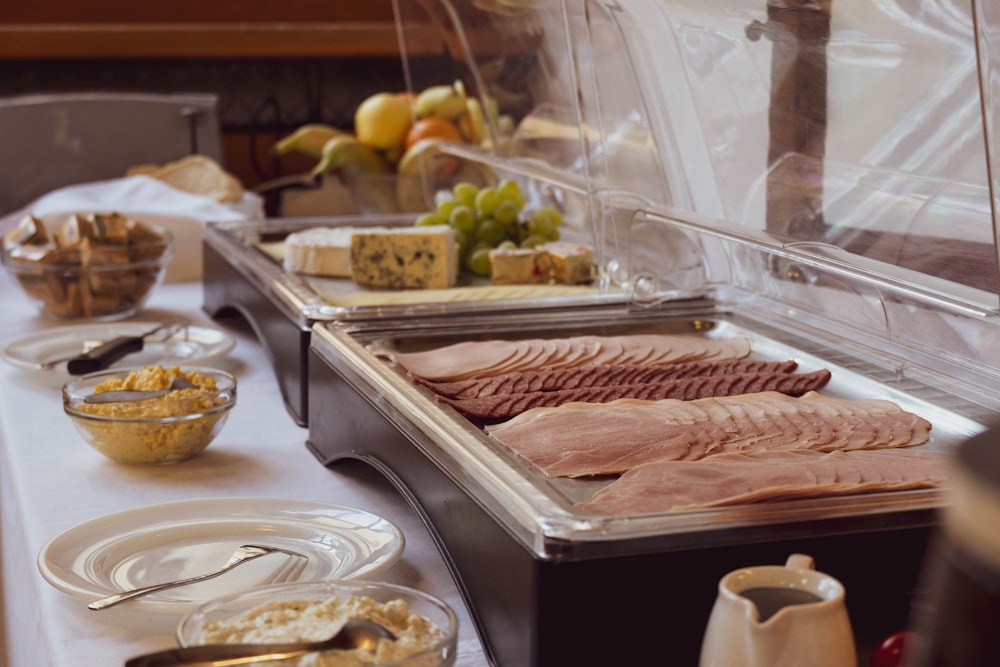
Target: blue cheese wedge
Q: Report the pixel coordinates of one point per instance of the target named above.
(405, 257)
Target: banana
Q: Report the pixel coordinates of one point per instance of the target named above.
(472, 123)
(308, 139)
(446, 102)
(344, 151)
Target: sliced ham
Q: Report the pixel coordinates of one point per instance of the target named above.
(502, 406)
(738, 479)
(470, 359)
(600, 375)
(585, 439)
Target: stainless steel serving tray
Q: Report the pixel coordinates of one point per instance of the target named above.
(255, 249)
(244, 274)
(540, 511)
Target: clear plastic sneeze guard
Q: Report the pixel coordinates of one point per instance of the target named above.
(845, 135)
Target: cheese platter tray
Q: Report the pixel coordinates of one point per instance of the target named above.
(282, 275)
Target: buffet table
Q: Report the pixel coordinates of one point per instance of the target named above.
(51, 480)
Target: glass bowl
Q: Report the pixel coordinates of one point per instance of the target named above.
(97, 281)
(161, 429)
(316, 610)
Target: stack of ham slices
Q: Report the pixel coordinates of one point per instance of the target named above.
(685, 421)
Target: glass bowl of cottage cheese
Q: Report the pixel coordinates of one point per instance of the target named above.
(425, 627)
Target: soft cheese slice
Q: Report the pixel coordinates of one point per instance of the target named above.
(321, 251)
(572, 264)
(405, 257)
(520, 266)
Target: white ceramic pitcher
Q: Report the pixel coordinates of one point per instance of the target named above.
(779, 616)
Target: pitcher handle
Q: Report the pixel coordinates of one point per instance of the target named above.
(800, 561)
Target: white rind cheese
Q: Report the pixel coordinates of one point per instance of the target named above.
(321, 251)
(405, 257)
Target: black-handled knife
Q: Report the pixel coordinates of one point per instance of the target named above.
(107, 353)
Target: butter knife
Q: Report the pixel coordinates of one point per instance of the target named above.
(105, 354)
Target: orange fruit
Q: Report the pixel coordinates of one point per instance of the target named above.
(432, 128)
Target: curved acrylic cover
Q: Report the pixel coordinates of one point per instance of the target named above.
(859, 128)
(756, 151)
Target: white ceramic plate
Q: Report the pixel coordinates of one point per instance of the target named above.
(148, 545)
(188, 345)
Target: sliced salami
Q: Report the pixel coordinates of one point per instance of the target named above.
(503, 406)
(600, 375)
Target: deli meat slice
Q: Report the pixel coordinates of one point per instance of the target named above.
(502, 406)
(584, 439)
(471, 359)
(738, 479)
(600, 375)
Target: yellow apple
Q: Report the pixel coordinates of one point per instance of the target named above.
(382, 121)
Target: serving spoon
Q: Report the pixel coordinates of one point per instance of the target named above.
(355, 634)
(126, 395)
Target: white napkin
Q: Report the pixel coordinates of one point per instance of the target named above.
(148, 200)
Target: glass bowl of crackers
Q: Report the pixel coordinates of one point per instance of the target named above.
(89, 266)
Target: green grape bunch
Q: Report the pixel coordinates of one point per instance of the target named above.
(491, 217)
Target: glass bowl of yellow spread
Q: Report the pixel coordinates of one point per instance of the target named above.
(150, 414)
(425, 627)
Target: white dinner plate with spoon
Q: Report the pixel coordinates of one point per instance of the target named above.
(158, 543)
(49, 349)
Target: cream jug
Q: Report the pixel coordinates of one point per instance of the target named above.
(779, 616)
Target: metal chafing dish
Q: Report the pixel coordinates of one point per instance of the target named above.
(812, 178)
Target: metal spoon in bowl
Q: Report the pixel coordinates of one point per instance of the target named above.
(126, 395)
(355, 634)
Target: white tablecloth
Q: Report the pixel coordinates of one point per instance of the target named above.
(51, 480)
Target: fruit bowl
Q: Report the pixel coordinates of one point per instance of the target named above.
(412, 188)
(425, 627)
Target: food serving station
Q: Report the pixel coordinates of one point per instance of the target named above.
(812, 178)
